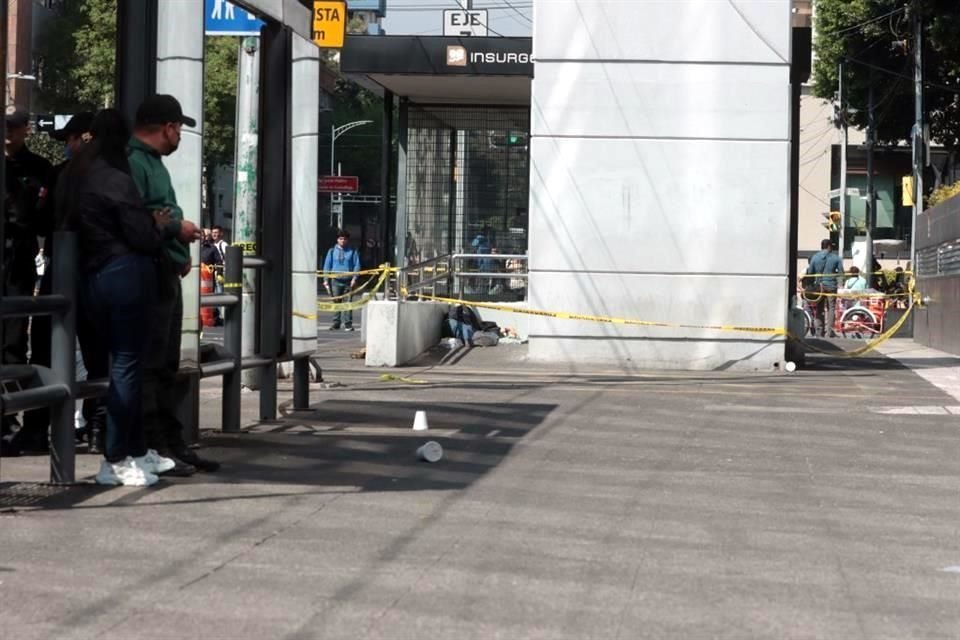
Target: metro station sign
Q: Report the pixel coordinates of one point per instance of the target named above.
(339, 184)
(329, 23)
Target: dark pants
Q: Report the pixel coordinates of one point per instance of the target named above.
(163, 429)
(826, 310)
(117, 300)
(339, 288)
(94, 360)
(14, 335)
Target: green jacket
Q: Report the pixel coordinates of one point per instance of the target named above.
(155, 187)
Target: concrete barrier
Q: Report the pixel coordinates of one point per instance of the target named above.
(397, 332)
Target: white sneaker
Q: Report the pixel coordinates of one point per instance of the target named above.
(128, 473)
(153, 462)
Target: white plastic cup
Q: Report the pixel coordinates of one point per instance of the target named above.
(420, 421)
(430, 452)
(790, 367)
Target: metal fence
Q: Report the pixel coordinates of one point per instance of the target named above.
(467, 180)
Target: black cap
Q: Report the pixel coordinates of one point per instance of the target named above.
(17, 117)
(161, 109)
(78, 124)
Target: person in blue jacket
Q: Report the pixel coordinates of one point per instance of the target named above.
(341, 259)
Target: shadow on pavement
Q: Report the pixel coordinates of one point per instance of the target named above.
(371, 446)
(337, 446)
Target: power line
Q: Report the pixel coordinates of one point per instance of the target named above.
(864, 23)
(489, 28)
(896, 74)
(517, 11)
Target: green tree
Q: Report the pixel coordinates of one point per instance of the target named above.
(358, 150)
(76, 57)
(875, 40)
(220, 99)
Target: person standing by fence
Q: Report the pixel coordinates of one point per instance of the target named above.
(341, 259)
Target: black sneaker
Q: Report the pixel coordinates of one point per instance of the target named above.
(181, 469)
(190, 456)
(335, 327)
(348, 328)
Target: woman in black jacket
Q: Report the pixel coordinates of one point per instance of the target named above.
(118, 241)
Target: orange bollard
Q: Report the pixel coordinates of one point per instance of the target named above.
(206, 286)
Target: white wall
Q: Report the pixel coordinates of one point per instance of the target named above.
(660, 179)
(397, 332)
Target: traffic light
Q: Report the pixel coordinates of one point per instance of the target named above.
(516, 139)
(833, 221)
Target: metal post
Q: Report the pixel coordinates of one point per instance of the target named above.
(232, 340)
(63, 360)
(843, 166)
(136, 69)
(400, 212)
(268, 392)
(301, 383)
(386, 175)
(918, 138)
(245, 225)
(871, 196)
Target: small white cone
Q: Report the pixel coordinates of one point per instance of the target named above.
(420, 421)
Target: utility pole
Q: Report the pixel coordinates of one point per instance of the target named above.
(843, 165)
(918, 138)
(871, 196)
(245, 207)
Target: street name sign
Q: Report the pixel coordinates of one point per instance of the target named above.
(329, 23)
(223, 18)
(339, 184)
(465, 22)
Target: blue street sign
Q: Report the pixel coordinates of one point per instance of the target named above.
(223, 18)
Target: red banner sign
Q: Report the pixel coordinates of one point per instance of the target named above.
(339, 184)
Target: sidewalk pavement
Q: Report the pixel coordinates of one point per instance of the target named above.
(567, 505)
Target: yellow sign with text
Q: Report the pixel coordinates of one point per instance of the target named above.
(329, 23)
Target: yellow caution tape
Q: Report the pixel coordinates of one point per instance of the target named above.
(564, 315)
(389, 377)
(384, 268)
(350, 305)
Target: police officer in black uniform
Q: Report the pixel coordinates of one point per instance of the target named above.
(27, 216)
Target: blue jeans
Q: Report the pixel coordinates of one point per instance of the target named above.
(338, 288)
(116, 301)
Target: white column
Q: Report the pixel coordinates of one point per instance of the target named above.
(660, 179)
(305, 145)
(180, 74)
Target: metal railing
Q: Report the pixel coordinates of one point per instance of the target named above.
(56, 387)
(53, 386)
(478, 276)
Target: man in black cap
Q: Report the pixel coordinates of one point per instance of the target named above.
(27, 216)
(33, 435)
(156, 133)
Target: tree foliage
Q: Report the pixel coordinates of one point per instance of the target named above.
(358, 150)
(220, 100)
(875, 40)
(76, 57)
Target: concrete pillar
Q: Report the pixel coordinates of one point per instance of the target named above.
(180, 74)
(659, 180)
(304, 143)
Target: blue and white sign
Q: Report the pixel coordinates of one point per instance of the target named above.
(223, 18)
